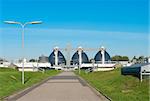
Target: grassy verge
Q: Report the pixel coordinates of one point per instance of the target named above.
(117, 86)
(10, 80)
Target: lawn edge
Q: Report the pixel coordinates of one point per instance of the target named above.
(95, 90)
(23, 92)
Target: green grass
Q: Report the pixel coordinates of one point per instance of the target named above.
(118, 87)
(10, 80)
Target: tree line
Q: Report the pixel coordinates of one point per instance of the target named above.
(120, 58)
(140, 59)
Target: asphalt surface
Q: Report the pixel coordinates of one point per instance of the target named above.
(64, 87)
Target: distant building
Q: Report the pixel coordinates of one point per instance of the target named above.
(140, 59)
(134, 60)
(43, 59)
(4, 63)
(148, 59)
(2, 60)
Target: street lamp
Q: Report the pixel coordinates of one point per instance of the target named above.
(23, 27)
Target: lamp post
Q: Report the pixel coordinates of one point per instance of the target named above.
(23, 28)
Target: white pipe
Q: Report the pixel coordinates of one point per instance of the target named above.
(80, 57)
(56, 55)
(103, 55)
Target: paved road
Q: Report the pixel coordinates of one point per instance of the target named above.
(63, 87)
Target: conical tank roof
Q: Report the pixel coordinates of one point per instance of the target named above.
(75, 58)
(98, 56)
(61, 58)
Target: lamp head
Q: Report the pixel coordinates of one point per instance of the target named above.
(11, 22)
(35, 22)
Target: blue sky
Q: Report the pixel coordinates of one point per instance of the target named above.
(119, 25)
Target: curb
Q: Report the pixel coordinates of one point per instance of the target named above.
(95, 90)
(21, 93)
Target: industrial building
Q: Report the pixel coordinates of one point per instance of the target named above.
(75, 58)
(57, 58)
(102, 55)
(4, 63)
(43, 59)
(102, 60)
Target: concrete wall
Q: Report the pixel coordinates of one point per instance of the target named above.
(29, 69)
